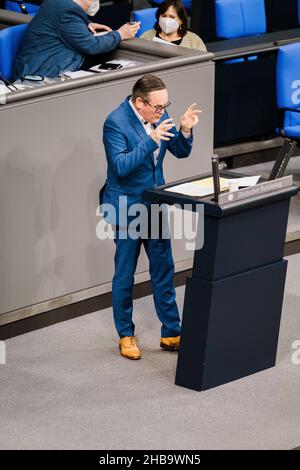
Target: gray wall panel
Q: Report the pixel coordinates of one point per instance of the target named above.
(52, 164)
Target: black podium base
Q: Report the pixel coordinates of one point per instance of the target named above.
(233, 301)
(230, 326)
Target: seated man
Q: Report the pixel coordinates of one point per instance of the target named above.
(60, 37)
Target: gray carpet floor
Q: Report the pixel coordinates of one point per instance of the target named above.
(67, 387)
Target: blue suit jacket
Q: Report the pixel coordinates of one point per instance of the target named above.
(58, 38)
(130, 160)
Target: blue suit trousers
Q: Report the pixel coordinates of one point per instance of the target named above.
(161, 268)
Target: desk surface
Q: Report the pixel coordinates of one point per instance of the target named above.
(263, 42)
(212, 208)
(150, 57)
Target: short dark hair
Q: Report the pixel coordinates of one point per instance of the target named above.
(181, 12)
(145, 85)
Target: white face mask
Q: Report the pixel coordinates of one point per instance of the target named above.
(168, 25)
(93, 8)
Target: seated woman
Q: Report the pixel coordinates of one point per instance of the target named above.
(172, 26)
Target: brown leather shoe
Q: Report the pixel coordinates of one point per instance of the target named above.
(129, 347)
(170, 344)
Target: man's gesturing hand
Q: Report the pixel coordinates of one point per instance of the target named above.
(190, 118)
(161, 132)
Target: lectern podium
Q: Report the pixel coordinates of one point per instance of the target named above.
(233, 300)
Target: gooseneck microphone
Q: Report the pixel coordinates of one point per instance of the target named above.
(216, 176)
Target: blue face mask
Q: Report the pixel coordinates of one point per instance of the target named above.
(93, 8)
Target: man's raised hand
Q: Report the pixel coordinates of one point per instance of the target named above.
(162, 131)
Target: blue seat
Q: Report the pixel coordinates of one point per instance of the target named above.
(11, 40)
(238, 18)
(186, 3)
(288, 89)
(146, 17)
(16, 6)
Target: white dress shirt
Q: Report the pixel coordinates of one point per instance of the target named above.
(148, 129)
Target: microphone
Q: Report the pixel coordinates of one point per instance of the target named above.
(282, 159)
(216, 176)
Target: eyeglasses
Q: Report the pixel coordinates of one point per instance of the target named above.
(158, 108)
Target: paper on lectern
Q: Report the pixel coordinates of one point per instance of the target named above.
(205, 186)
(198, 188)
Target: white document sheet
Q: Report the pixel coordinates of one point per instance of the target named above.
(166, 43)
(205, 187)
(77, 74)
(190, 189)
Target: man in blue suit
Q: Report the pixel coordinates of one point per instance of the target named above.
(136, 137)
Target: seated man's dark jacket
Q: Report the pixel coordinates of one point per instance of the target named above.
(58, 39)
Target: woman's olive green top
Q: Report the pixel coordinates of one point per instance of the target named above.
(190, 40)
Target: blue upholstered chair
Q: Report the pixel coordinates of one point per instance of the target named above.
(11, 40)
(21, 7)
(288, 90)
(146, 17)
(238, 18)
